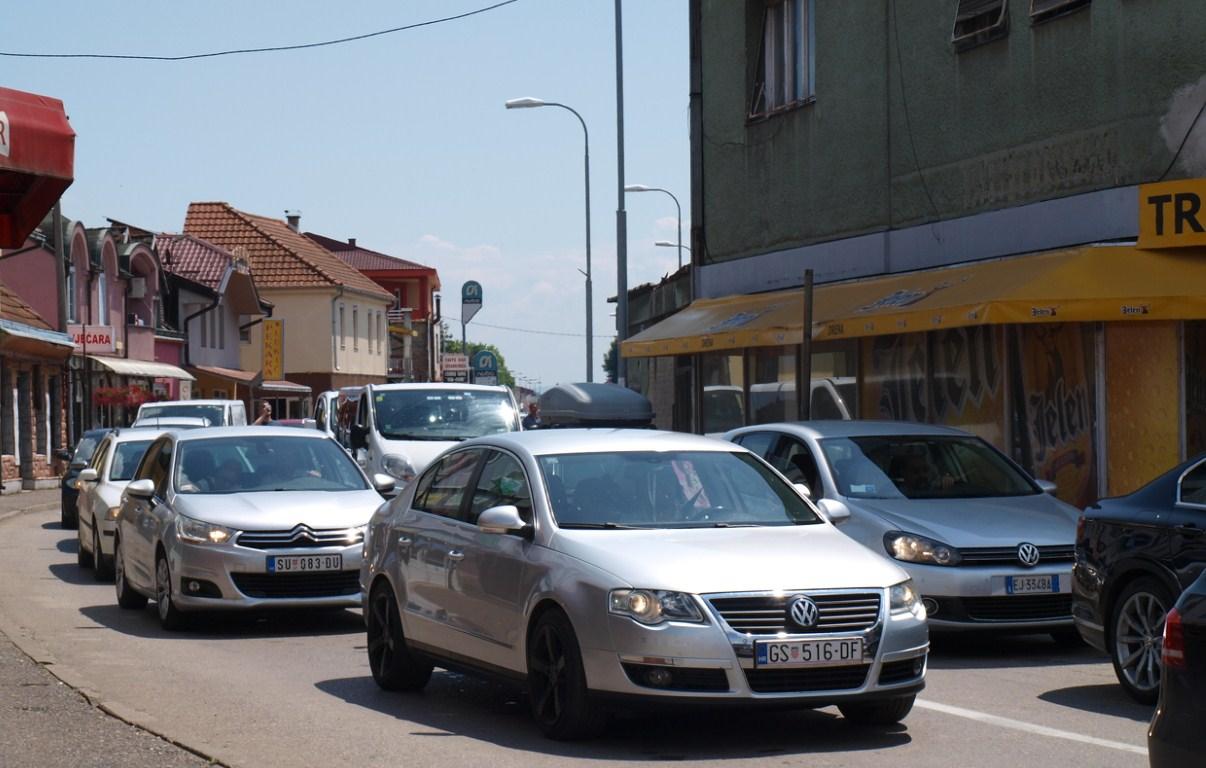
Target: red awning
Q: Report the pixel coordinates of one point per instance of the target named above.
(37, 152)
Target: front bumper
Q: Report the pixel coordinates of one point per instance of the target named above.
(713, 663)
(975, 597)
(233, 577)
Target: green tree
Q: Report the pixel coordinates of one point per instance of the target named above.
(609, 362)
(504, 373)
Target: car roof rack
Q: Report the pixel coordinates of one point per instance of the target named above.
(594, 405)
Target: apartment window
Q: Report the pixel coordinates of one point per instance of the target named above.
(72, 309)
(1041, 10)
(244, 331)
(221, 328)
(355, 329)
(204, 328)
(380, 332)
(399, 298)
(979, 21)
(343, 336)
(102, 297)
(372, 329)
(785, 58)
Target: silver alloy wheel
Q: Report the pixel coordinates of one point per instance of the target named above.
(163, 588)
(119, 569)
(1139, 640)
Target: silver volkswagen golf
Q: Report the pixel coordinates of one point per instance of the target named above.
(242, 517)
(597, 566)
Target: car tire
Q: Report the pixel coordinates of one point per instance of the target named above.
(557, 688)
(68, 519)
(83, 557)
(102, 567)
(170, 617)
(393, 665)
(126, 596)
(1136, 637)
(1068, 639)
(881, 712)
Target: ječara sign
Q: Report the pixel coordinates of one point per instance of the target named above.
(1172, 214)
(92, 338)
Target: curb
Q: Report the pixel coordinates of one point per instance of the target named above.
(36, 653)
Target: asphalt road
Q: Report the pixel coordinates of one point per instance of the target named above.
(294, 690)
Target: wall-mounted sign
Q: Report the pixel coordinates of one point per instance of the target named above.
(1172, 214)
(485, 367)
(457, 377)
(92, 338)
(454, 361)
(274, 350)
(471, 300)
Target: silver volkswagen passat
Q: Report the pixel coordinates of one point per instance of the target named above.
(987, 546)
(242, 517)
(601, 566)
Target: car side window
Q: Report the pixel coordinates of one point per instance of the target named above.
(795, 460)
(362, 412)
(99, 456)
(502, 482)
(758, 442)
(445, 491)
(1192, 489)
(320, 414)
(147, 464)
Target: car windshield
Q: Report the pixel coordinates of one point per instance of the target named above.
(211, 413)
(922, 467)
(125, 459)
(669, 489)
(249, 464)
(442, 414)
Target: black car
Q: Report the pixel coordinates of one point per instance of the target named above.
(1134, 555)
(1176, 737)
(68, 493)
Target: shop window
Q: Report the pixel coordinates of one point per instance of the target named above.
(8, 440)
(979, 21)
(723, 378)
(1041, 10)
(56, 413)
(1195, 388)
(41, 427)
(784, 76)
(773, 375)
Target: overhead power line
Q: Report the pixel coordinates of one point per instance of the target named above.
(270, 49)
(449, 319)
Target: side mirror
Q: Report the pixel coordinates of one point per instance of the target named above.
(502, 520)
(384, 484)
(63, 454)
(141, 489)
(804, 489)
(359, 436)
(78, 465)
(1046, 486)
(835, 511)
(87, 475)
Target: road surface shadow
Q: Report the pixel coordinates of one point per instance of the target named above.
(1100, 699)
(977, 651)
(71, 573)
(55, 525)
(229, 625)
(497, 713)
(68, 546)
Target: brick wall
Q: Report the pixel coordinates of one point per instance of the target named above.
(37, 437)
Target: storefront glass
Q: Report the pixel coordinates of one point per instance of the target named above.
(722, 375)
(1195, 388)
(773, 384)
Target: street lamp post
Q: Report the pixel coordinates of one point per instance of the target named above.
(679, 208)
(528, 103)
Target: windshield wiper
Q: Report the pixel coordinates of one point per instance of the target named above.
(602, 526)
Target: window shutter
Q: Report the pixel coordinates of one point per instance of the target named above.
(979, 21)
(1041, 10)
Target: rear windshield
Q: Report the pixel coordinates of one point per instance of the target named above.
(214, 414)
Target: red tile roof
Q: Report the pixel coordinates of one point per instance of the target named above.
(361, 258)
(279, 257)
(13, 307)
(193, 259)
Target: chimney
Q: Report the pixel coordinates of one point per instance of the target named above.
(294, 219)
(352, 241)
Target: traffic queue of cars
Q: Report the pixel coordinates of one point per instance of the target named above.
(800, 564)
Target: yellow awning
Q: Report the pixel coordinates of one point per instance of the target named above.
(1087, 284)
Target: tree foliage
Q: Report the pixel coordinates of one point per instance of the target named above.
(609, 362)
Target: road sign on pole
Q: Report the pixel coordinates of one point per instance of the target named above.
(485, 367)
(471, 300)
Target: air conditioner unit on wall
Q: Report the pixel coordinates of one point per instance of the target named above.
(138, 288)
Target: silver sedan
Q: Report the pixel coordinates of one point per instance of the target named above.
(988, 546)
(604, 566)
(242, 517)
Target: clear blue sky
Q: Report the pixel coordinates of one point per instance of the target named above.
(400, 141)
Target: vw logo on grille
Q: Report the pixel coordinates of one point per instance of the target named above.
(1028, 554)
(803, 613)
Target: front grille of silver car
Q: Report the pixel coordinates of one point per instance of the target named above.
(1059, 553)
(764, 614)
(301, 537)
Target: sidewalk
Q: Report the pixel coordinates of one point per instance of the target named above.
(46, 724)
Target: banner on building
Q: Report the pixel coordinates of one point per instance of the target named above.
(92, 339)
(274, 350)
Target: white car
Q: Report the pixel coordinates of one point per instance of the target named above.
(400, 428)
(100, 486)
(219, 413)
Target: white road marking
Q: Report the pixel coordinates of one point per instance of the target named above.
(1018, 725)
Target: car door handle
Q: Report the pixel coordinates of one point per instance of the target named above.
(403, 541)
(456, 555)
(1189, 530)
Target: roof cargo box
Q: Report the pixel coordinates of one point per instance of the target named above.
(594, 405)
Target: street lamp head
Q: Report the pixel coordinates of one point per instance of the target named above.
(665, 244)
(525, 103)
(637, 188)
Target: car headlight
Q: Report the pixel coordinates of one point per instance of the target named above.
(199, 532)
(398, 467)
(112, 513)
(654, 606)
(918, 549)
(903, 598)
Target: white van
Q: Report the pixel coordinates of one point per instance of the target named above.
(400, 428)
(219, 413)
